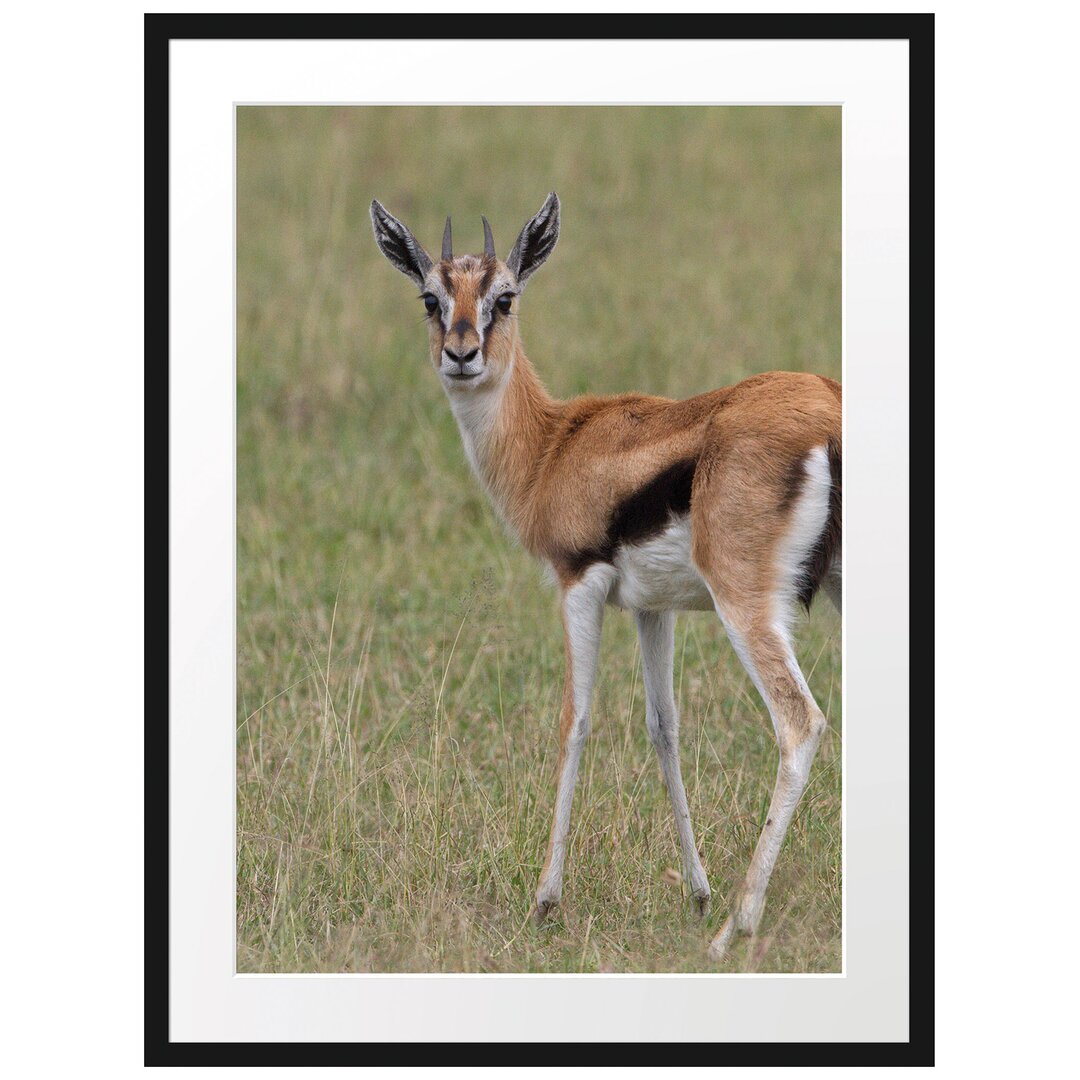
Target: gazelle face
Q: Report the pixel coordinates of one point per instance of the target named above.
(471, 301)
(471, 305)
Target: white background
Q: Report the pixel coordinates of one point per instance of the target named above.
(72, 552)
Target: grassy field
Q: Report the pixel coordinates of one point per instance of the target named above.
(399, 657)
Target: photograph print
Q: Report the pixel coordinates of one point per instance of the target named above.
(539, 531)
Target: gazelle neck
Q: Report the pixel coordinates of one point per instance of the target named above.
(506, 426)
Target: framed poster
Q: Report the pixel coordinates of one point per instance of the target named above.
(400, 807)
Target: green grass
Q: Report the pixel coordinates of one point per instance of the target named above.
(399, 657)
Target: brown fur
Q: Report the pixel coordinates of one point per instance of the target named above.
(559, 470)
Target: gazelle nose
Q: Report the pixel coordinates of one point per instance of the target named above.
(461, 358)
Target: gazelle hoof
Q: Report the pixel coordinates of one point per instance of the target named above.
(701, 903)
(542, 909)
(719, 944)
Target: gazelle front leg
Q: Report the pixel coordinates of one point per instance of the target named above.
(583, 617)
(656, 632)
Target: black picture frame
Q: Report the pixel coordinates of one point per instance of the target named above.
(918, 30)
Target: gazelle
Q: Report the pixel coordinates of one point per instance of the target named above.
(727, 502)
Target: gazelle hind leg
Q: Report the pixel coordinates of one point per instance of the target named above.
(757, 531)
(656, 632)
(583, 617)
(798, 722)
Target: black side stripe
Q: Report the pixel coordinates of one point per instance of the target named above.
(642, 515)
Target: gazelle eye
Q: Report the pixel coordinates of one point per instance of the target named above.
(431, 303)
(504, 302)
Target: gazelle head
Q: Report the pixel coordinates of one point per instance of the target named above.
(471, 301)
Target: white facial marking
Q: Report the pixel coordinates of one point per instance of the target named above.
(486, 313)
(434, 285)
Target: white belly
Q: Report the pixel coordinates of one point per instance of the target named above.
(658, 575)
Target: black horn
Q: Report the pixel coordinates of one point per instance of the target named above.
(447, 242)
(489, 240)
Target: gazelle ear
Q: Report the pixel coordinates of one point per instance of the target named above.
(398, 244)
(537, 240)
